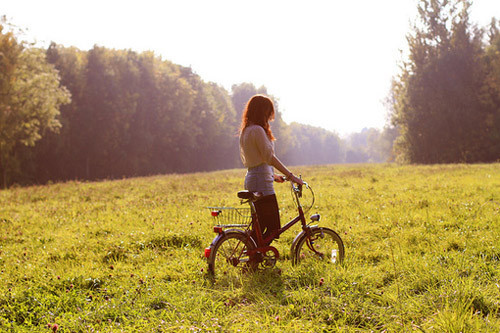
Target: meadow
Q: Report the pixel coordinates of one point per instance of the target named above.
(422, 254)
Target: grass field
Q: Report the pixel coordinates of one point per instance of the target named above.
(422, 254)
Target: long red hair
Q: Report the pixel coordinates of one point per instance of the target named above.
(258, 111)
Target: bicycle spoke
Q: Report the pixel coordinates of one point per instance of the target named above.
(230, 255)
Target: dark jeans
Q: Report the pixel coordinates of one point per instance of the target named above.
(268, 215)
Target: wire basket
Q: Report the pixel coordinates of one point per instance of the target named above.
(231, 217)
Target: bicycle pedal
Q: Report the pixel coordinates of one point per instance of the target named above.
(271, 261)
(258, 257)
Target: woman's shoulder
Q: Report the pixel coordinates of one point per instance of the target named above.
(255, 129)
(256, 133)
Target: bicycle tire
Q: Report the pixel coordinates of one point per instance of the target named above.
(327, 245)
(229, 254)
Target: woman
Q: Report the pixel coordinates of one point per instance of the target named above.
(257, 154)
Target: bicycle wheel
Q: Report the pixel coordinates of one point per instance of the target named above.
(323, 244)
(229, 255)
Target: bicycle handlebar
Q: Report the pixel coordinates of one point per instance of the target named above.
(285, 178)
(296, 188)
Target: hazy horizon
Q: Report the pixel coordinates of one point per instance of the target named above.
(329, 65)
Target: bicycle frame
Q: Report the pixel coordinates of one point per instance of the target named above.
(260, 241)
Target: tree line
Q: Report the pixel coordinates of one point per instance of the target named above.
(446, 99)
(106, 113)
(68, 114)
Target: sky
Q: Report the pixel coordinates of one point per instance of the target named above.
(328, 62)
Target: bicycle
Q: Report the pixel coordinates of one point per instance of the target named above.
(234, 249)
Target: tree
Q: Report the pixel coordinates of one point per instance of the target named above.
(370, 145)
(29, 100)
(436, 97)
(313, 145)
(490, 97)
(56, 154)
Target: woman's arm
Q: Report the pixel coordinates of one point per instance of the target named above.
(275, 162)
(267, 153)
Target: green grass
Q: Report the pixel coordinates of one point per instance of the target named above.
(422, 254)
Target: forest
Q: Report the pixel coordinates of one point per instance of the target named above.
(67, 113)
(121, 113)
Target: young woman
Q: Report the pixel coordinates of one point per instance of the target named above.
(257, 154)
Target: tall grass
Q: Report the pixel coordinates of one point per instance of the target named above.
(422, 253)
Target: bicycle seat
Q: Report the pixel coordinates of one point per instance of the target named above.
(247, 195)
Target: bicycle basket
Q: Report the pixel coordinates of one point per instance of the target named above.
(231, 217)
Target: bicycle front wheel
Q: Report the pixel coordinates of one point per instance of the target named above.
(229, 256)
(321, 244)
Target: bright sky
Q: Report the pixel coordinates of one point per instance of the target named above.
(329, 62)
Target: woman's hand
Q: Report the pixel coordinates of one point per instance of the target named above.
(295, 179)
(279, 178)
(275, 162)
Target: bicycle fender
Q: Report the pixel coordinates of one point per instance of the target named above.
(223, 234)
(216, 239)
(299, 237)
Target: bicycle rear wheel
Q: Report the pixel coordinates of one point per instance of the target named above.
(322, 244)
(229, 256)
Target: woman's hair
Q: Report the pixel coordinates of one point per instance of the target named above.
(259, 110)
